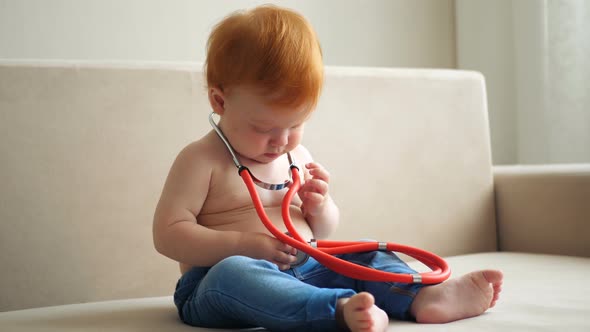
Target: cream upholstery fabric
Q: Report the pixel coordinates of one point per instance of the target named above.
(85, 152)
(544, 208)
(86, 148)
(399, 166)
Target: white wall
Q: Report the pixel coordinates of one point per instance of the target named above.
(406, 33)
(535, 56)
(485, 44)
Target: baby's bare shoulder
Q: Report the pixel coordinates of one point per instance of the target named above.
(195, 162)
(201, 152)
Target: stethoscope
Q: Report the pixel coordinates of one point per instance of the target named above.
(324, 250)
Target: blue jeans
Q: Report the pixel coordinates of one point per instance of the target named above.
(241, 292)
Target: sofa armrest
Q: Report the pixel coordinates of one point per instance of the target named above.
(543, 208)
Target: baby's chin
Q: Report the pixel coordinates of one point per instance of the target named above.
(260, 159)
(264, 158)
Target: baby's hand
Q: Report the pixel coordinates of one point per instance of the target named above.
(263, 246)
(314, 191)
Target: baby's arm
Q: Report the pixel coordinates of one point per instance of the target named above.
(176, 232)
(320, 211)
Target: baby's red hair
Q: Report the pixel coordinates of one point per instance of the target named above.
(270, 48)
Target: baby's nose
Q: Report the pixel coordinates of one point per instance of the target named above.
(280, 138)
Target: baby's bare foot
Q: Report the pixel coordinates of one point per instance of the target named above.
(468, 296)
(361, 314)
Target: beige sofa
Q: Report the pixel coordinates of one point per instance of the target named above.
(86, 147)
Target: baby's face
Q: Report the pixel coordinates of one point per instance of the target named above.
(258, 131)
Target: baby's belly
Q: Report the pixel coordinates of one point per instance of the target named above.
(247, 220)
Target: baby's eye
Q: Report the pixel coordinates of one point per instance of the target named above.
(297, 126)
(261, 130)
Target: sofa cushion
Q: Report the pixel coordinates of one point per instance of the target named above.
(540, 292)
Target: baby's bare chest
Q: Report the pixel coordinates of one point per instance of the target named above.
(228, 192)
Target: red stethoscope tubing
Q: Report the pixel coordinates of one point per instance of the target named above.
(326, 249)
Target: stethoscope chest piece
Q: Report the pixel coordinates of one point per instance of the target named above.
(302, 257)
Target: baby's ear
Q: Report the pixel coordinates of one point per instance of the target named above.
(217, 100)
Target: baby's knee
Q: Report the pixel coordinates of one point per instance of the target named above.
(235, 271)
(239, 265)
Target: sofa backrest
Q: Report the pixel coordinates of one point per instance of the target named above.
(86, 148)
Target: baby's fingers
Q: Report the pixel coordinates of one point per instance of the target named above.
(284, 260)
(318, 172)
(317, 186)
(312, 198)
(287, 249)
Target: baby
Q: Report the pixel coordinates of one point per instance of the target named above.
(264, 77)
